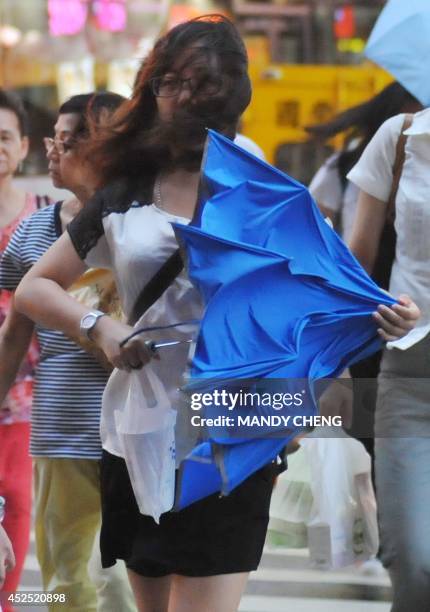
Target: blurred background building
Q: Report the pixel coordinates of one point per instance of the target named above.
(306, 61)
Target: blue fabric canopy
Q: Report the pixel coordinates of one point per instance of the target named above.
(285, 299)
(400, 43)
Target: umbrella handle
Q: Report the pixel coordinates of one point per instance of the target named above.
(151, 346)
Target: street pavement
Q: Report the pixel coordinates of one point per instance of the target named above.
(284, 583)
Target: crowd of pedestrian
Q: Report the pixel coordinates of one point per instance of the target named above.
(71, 274)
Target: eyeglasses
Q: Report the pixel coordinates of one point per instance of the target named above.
(61, 146)
(170, 86)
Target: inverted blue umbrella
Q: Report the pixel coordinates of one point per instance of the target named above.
(285, 299)
(400, 43)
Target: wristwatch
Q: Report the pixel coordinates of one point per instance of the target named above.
(89, 321)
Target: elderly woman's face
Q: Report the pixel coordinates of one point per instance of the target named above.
(76, 170)
(63, 132)
(13, 146)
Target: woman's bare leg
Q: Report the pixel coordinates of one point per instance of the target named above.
(220, 593)
(151, 594)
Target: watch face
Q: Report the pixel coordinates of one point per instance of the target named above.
(88, 321)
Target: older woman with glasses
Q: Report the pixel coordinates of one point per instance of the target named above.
(69, 383)
(60, 146)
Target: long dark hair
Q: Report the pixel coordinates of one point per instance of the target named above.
(134, 143)
(361, 123)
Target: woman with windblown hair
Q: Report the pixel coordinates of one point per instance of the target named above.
(337, 198)
(196, 77)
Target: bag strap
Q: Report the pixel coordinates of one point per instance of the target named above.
(42, 201)
(158, 284)
(398, 168)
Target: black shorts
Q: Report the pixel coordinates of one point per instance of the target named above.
(216, 535)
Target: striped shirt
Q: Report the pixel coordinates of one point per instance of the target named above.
(68, 382)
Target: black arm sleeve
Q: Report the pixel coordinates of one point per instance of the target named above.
(86, 229)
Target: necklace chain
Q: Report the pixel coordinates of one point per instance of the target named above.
(157, 192)
(158, 200)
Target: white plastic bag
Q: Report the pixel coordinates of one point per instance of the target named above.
(146, 429)
(291, 504)
(343, 525)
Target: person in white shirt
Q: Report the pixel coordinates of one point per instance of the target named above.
(336, 196)
(402, 426)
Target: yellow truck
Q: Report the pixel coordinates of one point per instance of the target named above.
(287, 98)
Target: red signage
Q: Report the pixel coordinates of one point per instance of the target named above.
(344, 22)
